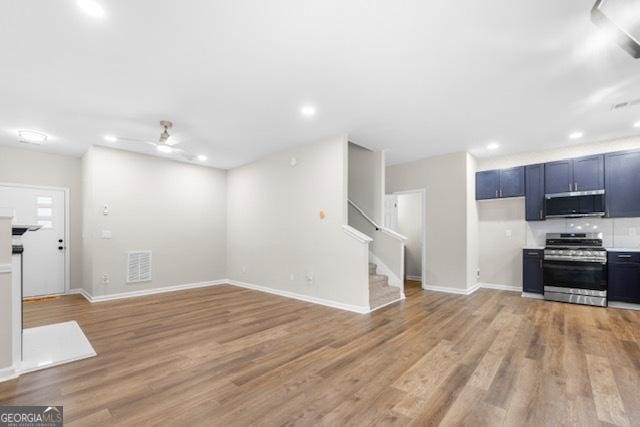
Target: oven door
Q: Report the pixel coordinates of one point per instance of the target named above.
(576, 275)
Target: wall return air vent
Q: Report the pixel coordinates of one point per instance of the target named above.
(138, 266)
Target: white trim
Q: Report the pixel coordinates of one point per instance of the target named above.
(145, 292)
(415, 278)
(448, 290)
(5, 268)
(402, 297)
(509, 288)
(624, 305)
(423, 194)
(307, 298)
(389, 232)
(67, 231)
(532, 295)
(358, 235)
(9, 373)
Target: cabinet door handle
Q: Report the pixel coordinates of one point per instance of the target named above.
(624, 256)
(540, 263)
(500, 192)
(532, 253)
(540, 213)
(496, 193)
(570, 187)
(575, 187)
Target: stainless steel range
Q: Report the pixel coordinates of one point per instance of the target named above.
(575, 268)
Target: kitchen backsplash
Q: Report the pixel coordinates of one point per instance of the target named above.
(616, 232)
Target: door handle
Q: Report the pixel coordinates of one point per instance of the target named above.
(60, 248)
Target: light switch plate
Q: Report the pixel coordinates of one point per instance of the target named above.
(508, 233)
(106, 234)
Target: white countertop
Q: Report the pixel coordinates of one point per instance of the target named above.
(533, 248)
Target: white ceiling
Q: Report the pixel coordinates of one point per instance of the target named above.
(415, 77)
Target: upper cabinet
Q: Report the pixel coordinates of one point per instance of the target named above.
(623, 181)
(581, 174)
(534, 192)
(495, 184)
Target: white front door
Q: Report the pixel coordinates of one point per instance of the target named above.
(45, 249)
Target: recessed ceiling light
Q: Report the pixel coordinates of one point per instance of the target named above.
(637, 124)
(164, 149)
(493, 146)
(110, 138)
(32, 136)
(91, 8)
(202, 158)
(308, 111)
(576, 135)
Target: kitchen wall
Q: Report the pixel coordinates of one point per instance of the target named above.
(19, 166)
(176, 210)
(5, 295)
(450, 260)
(410, 226)
(503, 231)
(277, 238)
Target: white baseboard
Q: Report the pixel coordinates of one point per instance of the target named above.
(414, 278)
(501, 287)
(145, 292)
(625, 305)
(307, 298)
(532, 295)
(8, 374)
(448, 290)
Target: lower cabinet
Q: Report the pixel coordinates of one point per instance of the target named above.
(624, 277)
(532, 271)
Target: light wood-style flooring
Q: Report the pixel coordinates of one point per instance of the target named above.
(229, 356)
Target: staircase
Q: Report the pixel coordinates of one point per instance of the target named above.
(380, 293)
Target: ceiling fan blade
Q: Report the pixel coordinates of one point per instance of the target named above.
(171, 142)
(139, 141)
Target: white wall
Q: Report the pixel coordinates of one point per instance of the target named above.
(446, 182)
(174, 209)
(410, 226)
(276, 237)
(366, 181)
(6, 300)
(20, 166)
(504, 232)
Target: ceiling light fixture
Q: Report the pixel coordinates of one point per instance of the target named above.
(110, 138)
(91, 8)
(164, 149)
(202, 158)
(637, 124)
(32, 136)
(576, 135)
(493, 146)
(308, 111)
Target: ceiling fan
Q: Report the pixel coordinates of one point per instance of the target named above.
(166, 144)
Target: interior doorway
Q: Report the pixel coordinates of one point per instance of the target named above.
(405, 213)
(45, 251)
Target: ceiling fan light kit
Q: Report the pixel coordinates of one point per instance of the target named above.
(165, 144)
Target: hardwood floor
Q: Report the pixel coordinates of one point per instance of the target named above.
(230, 356)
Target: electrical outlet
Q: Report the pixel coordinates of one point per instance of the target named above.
(309, 279)
(105, 279)
(508, 233)
(244, 268)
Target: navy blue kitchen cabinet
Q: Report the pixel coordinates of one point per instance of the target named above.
(581, 174)
(624, 277)
(487, 185)
(532, 271)
(622, 183)
(558, 177)
(534, 192)
(495, 184)
(588, 173)
(512, 182)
